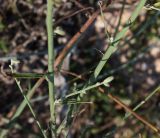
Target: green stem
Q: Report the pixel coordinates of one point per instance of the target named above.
(28, 103)
(31, 109)
(144, 101)
(84, 90)
(50, 65)
(21, 107)
(113, 46)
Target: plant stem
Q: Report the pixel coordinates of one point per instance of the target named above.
(113, 46)
(50, 64)
(22, 106)
(31, 109)
(144, 101)
(28, 103)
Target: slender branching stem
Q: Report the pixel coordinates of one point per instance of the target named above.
(50, 63)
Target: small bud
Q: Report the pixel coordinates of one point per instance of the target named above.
(14, 62)
(100, 2)
(111, 39)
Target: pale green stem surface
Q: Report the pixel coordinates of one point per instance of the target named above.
(50, 65)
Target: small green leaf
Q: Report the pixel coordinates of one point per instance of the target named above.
(59, 31)
(14, 62)
(107, 81)
(157, 4)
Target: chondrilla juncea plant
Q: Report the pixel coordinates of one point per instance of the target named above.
(71, 102)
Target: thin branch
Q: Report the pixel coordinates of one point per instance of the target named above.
(145, 122)
(73, 40)
(72, 14)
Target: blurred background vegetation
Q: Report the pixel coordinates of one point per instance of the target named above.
(135, 66)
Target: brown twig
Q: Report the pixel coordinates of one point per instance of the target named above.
(116, 100)
(78, 4)
(70, 44)
(73, 74)
(74, 39)
(72, 14)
